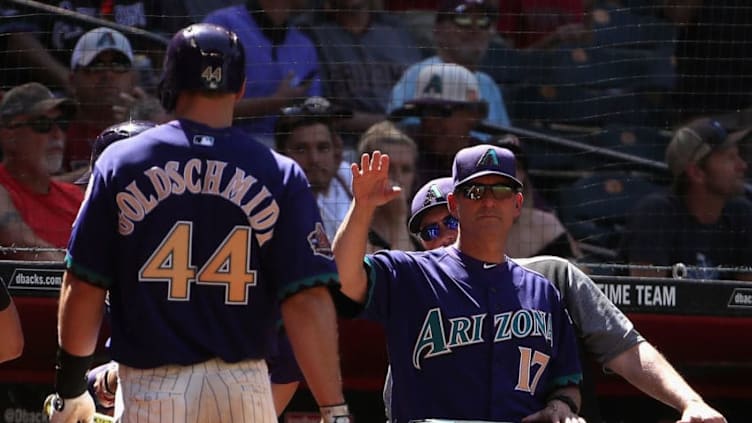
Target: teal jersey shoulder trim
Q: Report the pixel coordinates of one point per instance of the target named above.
(324, 279)
(86, 274)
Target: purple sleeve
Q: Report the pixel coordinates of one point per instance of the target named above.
(380, 269)
(301, 252)
(91, 247)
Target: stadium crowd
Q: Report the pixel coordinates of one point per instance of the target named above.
(570, 88)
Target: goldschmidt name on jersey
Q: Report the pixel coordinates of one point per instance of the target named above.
(198, 177)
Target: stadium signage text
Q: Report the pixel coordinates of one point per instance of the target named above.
(37, 279)
(741, 298)
(650, 295)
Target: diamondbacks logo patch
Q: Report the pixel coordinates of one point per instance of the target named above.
(433, 195)
(489, 159)
(106, 39)
(319, 242)
(434, 85)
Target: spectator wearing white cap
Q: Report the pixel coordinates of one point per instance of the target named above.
(106, 87)
(704, 222)
(462, 33)
(448, 100)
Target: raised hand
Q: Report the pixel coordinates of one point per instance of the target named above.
(371, 185)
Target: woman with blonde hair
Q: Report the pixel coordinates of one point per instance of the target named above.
(389, 227)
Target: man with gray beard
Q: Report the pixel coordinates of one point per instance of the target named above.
(35, 210)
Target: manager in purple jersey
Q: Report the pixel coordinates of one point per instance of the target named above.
(201, 235)
(606, 333)
(471, 335)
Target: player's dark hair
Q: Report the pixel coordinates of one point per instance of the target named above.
(314, 110)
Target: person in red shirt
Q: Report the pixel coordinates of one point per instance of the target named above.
(35, 210)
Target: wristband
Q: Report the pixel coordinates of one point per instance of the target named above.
(566, 400)
(70, 373)
(339, 413)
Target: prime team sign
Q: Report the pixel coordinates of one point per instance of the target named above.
(677, 296)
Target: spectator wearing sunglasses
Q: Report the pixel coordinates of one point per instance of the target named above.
(388, 229)
(462, 33)
(448, 312)
(447, 98)
(704, 220)
(35, 210)
(106, 88)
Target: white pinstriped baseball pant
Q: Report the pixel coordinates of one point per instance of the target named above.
(212, 391)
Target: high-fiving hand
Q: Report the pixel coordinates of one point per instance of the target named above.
(371, 185)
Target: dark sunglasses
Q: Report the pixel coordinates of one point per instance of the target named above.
(102, 66)
(43, 124)
(466, 21)
(433, 231)
(476, 191)
(446, 110)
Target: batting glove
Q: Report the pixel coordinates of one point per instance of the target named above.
(70, 410)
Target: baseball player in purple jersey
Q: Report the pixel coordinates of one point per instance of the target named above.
(471, 335)
(102, 380)
(606, 333)
(201, 235)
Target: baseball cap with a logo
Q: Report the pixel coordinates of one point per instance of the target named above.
(446, 83)
(484, 159)
(697, 140)
(94, 42)
(432, 194)
(33, 99)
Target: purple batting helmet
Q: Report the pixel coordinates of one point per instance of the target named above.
(202, 57)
